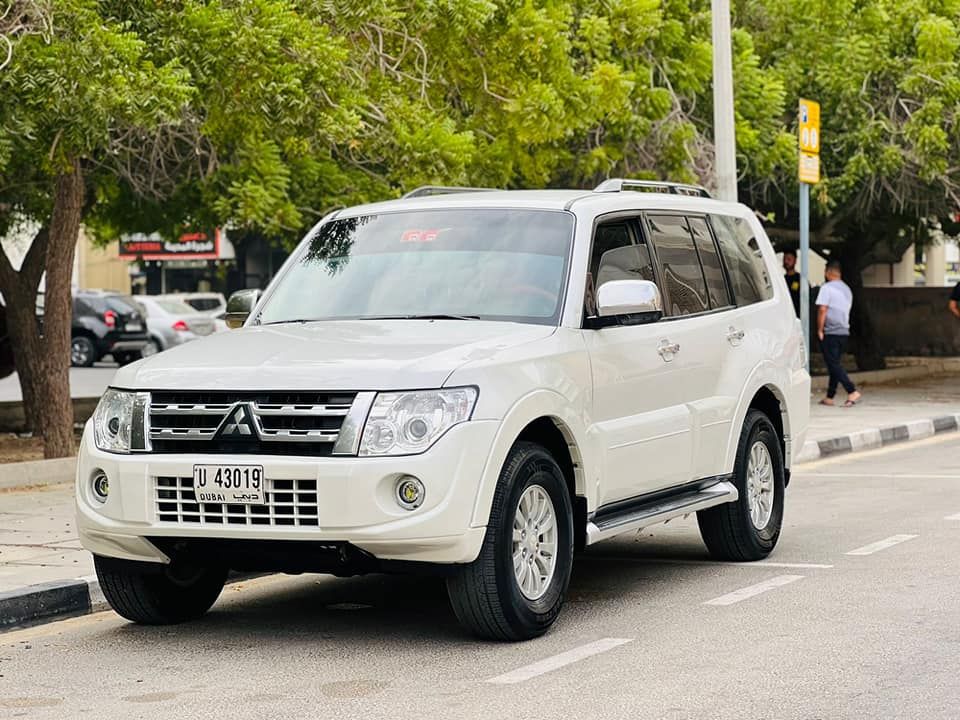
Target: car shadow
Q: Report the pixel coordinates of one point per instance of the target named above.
(414, 612)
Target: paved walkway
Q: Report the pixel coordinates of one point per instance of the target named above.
(38, 541)
(885, 405)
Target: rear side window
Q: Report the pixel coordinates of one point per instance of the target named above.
(710, 261)
(683, 279)
(741, 252)
(99, 304)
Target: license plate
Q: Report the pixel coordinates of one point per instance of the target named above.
(236, 484)
(133, 327)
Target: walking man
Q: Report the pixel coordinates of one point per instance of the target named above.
(792, 277)
(833, 328)
(955, 300)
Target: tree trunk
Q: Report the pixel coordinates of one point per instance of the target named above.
(55, 413)
(866, 349)
(43, 361)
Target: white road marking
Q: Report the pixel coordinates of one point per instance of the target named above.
(813, 566)
(557, 661)
(953, 517)
(748, 592)
(881, 545)
(713, 563)
(885, 476)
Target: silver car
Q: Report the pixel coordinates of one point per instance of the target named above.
(172, 322)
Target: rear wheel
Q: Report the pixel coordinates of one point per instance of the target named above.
(151, 348)
(159, 595)
(515, 588)
(749, 528)
(83, 353)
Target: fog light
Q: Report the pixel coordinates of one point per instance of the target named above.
(100, 484)
(410, 492)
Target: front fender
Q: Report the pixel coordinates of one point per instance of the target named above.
(537, 404)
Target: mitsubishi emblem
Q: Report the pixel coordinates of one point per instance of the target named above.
(238, 423)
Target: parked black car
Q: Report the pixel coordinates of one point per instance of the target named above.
(106, 323)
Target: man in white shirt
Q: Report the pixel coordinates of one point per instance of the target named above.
(833, 328)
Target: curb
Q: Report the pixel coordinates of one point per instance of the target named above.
(61, 599)
(877, 437)
(34, 473)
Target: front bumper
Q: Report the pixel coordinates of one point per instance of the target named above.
(355, 500)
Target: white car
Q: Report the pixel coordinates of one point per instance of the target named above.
(472, 384)
(171, 322)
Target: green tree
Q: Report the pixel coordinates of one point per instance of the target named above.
(141, 115)
(886, 75)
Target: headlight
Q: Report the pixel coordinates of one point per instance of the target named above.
(118, 422)
(406, 423)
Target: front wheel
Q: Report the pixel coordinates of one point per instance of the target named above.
(83, 353)
(749, 528)
(159, 595)
(515, 588)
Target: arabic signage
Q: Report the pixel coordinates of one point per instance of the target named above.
(189, 246)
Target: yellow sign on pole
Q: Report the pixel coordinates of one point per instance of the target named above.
(809, 131)
(809, 168)
(809, 126)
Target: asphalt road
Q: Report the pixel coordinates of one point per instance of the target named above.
(856, 615)
(84, 382)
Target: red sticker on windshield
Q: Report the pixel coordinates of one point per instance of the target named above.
(419, 236)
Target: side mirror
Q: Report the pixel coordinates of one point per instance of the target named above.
(634, 301)
(239, 307)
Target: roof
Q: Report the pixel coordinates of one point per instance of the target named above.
(577, 201)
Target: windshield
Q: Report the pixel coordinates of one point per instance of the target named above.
(487, 264)
(174, 307)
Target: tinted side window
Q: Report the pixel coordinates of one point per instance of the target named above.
(748, 272)
(710, 261)
(685, 288)
(606, 238)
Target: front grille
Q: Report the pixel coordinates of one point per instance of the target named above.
(289, 502)
(263, 423)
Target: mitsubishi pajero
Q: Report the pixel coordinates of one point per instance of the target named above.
(470, 383)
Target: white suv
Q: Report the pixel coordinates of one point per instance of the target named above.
(475, 384)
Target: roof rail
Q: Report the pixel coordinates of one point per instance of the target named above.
(428, 190)
(619, 184)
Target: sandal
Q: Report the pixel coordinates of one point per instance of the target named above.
(851, 401)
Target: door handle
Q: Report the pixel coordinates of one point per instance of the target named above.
(734, 336)
(668, 350)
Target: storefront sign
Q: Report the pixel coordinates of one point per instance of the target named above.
(189, 246)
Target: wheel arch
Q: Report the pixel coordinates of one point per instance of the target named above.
(543, 417)
(765, 390)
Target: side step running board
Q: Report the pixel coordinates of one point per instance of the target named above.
(660, 511)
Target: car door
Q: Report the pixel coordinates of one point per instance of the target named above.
(693, 326)
(640, 410)
(723, 335)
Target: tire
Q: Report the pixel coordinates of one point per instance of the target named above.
(162, 595)
(152, 347)
(486, 595)
(730, 531)
(83, 353)
(125, 358)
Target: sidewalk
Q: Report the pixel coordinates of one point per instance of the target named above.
(44, 572)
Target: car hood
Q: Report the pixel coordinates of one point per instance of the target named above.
(330, 355)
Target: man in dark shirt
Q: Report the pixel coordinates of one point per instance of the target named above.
(792, 277)
(954, 303)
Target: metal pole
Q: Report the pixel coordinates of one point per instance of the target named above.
(805, 267)
(724, 133)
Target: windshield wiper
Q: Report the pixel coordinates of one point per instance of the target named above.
(437, 316)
